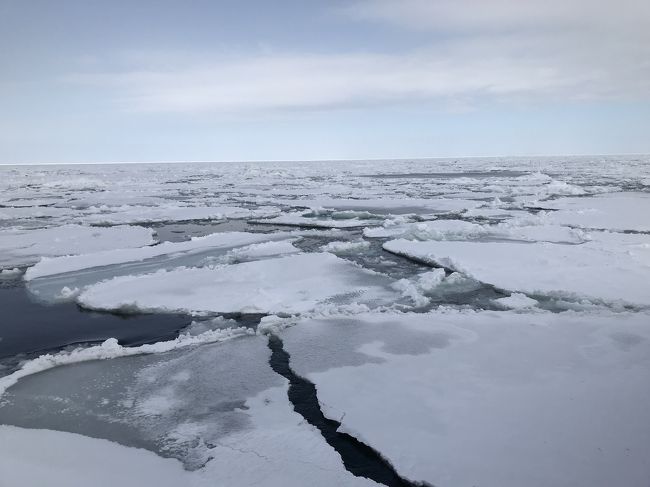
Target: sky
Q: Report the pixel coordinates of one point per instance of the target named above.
(227, 80)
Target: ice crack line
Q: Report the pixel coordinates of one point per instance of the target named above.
(358, 458)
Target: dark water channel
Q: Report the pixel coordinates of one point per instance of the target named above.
(28, 326)
(358, 458)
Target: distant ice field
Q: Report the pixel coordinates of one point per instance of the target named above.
(447, 322)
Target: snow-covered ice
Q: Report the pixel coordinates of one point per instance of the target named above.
(345, 247)
(118, 255)
(147, 214)
(324, 219)
(576, 271)
(488, 398)
(515, 229)
(34, 458)
(292, 284)
(612, 211)
(20, 247)
(517, 301)
(426, 300)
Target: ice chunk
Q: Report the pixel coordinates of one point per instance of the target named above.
(48, 267)
(488, 398)
(19, 247)
(418, 288)
(516, 229)
(585, 270)
(293, 284)
(10, 273)
(324, 219)
(563, 188)
(345, 247)
(169, 213)
(260, 250)
(517, 301)
(612, 211)
(432, 230)
(389, 205)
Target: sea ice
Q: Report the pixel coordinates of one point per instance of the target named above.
(584, 271)
(612, 211)
(495, 399)
(20, 247)
(10, 273)
(292, 284)
(168, 213)
(324, 219)
(218, 408)
(345, 247)
(111, 349)
(517, 301)
(117, 255)
(389, 205)
(515, 229)
(36, 458)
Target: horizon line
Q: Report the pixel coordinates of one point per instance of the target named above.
(378, 159)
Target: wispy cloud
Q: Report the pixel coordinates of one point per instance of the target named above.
(501, 49)
(623, 17)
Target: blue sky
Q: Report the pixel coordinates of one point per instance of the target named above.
(93, 81)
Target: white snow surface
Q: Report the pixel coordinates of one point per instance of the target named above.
(36, 458)
(517, 301)
(495, 399)
(588, 270)
(20, 247)
(279, 449)
(432, 230)
(612, 211)
(291, 284)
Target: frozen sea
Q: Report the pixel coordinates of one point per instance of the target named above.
(449, 322)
